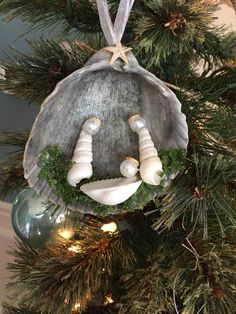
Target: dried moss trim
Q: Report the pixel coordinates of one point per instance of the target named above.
(172, 160)
(55, 165)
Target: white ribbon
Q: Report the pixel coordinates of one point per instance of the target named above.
(114, 33)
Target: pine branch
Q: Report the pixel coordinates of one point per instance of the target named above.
(206, 286)
(146, 291)
(216, 49)
(54, 279)
(168, 27)
(14, 139)
(202, 196)
(211, 122)
(11, 309)
(11, 169)
(180, 272)
(35, 77)
(186, 275)
(78, 16)
(220, 84)
(69, 14)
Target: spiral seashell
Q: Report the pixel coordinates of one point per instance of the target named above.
(129, 167)
(83, 156)
(151, 170)
(112, 191)
(151, 166)
(79, 172)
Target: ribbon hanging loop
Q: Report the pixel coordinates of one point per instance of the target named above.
(114, 33)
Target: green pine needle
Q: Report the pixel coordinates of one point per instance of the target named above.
(202, 196)
(186, 275)
(34, 77)
(45, 279)
(171, 26)
(81, 15)
(11, 309)
(11, 169)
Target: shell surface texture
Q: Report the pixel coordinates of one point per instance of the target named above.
(111, 92)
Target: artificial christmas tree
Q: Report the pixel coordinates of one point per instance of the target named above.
(131, 210)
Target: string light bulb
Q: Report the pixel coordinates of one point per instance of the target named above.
(75, 248)
(108, 300)
(76, 309)
(111, 227)
(77, 306)
(66, 233)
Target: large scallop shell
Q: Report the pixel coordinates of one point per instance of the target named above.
(112, 93)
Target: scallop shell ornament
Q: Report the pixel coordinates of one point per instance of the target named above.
(112, 86)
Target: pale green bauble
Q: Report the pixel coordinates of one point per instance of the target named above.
(36, 221)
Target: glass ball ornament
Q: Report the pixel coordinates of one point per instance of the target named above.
(36, 221)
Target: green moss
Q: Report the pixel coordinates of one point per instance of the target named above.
(172, 160)
(55, 165)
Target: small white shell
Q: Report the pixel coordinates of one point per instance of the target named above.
(79, 172)
(113, 191)
(129, 167)
(83, 156)
(146, 145)
(151, 166)
(150, 170)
